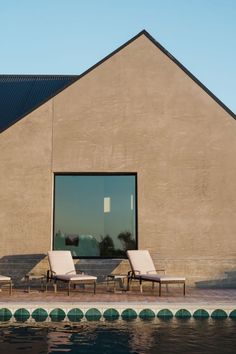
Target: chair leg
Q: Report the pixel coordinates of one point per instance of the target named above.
(160, 289)
(141, 286)
(128, 283)
(10, 288)
(184, 289)
(55, 286)
(94, 288)
(68, 288)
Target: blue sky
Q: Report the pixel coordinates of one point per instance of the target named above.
(69, 36)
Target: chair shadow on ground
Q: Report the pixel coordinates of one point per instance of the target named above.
(228, 282)
(17, 266)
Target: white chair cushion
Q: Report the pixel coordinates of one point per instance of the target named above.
(78, 277)
(162, 278)
(143, 267)
(141, 262)
(3, 278)
(61, 262)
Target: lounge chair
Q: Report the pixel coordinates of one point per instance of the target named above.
(6, 281)
(62, 268)
(143, 269)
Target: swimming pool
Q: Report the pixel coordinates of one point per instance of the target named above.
(157, 336)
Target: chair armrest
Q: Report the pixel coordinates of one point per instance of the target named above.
(135, 272)
(132, 275)
(161, 270)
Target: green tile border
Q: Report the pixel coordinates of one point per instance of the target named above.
(57, 315)
(111, 314)
(219, 314)
(93, 314)
(233, 314)
(129, 314)
(165, 314)
(75, 314)
(183, 313)
(201, 313)
(39, 315)
(5, 314)
(147, 314)
(21, 315)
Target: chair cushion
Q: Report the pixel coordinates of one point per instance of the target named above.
(141, 262)
(61, 262)
(78, 277)
(3, 278)
(162, 278)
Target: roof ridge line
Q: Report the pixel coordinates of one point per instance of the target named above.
(171, 57)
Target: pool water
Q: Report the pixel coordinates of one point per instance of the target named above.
(135, 336)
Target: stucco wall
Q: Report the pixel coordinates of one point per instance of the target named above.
(136, 112)
(26, 184)
(139, 112)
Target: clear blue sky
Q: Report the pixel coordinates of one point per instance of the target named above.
(69, 36)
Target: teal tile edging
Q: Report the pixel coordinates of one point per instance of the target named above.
(76, 314)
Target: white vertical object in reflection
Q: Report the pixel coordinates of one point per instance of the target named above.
(107, 205)
(132, 202)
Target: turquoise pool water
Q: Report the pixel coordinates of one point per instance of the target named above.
(134, 336)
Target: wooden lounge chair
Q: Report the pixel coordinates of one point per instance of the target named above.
(6, 281)
(62, 268)
(143, 269)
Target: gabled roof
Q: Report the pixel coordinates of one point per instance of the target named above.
(21, 94)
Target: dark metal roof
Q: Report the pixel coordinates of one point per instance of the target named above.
(21, 94)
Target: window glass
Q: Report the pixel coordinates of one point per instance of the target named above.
(94, 215)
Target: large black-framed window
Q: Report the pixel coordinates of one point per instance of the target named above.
(95, 215)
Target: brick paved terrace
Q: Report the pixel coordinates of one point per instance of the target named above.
(103, 294)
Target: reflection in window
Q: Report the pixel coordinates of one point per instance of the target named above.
(94, 215)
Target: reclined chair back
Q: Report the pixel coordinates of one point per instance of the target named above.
(61, 262)
(141, 262)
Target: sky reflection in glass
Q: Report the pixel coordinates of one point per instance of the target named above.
(95, 214)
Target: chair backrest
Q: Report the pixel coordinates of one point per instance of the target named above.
(61, 262)
(141, 262)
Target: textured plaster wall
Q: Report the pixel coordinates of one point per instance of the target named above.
(139, 112)
(26, 186)
(136, 112)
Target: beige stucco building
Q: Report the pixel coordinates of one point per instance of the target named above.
(138, 111)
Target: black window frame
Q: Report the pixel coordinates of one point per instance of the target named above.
(134, 174)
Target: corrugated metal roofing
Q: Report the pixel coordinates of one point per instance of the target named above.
(21, 94)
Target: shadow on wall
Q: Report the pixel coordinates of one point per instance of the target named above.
(17, 266)
(102, 267)
(229, 282)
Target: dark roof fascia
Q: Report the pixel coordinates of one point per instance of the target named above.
(41, 76)
(73, 78)
(171, 57)
(189, 74)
